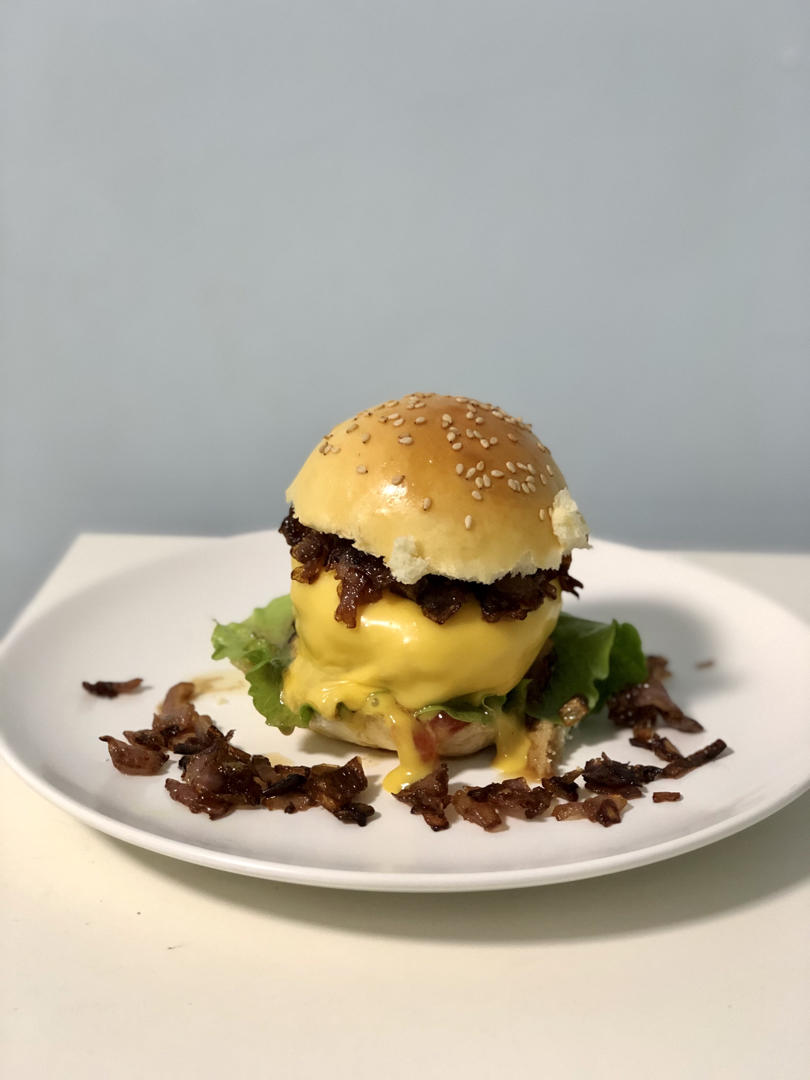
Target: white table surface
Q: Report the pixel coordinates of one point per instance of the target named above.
(120, 963)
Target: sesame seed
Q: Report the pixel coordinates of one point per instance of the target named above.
(543, 480)
(389, 404)
(420, 420)
(549, 470)
(406, 440)
(477, 434)
(520, 465)
(532, 487)
(485, 444)
(480, 466)
(398, 478)
(362, 469)
(493, 440)
(383, 419)
(445, 423)
(468, 521)
(510, 419)
(497, 474)
(531, 469)
(447, 417)
(419, 405)
(456, 446)
(479, 483)
(400, 422)
(541, 513)
(335, 449)
(470, 433)
(498, 413)
(471, 473)
(476, 494)
(479, 419)
(511, 435)
(511, 466)
(470, 415)
(461, 400)
(514, 485)
(459, 468)
(524, 488)
(393, 416)
(426, 504)
(365, 437)
(351, 428)
(451, 435)
(487, 481)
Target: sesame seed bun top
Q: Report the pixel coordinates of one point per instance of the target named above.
(436, 484)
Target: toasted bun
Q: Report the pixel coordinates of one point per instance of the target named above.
(369, 730)
(434, 484)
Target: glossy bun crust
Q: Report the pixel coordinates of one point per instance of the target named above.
(435, 484)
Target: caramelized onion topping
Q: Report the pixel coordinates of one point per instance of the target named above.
(364, 578)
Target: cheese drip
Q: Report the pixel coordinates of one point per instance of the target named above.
(396, 660)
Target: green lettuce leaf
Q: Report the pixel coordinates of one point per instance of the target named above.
(592, 659)
(260, 646)
(464, 710)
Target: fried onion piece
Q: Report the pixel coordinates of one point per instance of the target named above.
(644, 705)
(429, 797)
(198, 802)
(683, 765)
(108, 689)
(485, 806)
(563, 787)
(134, 760)
(610, 777)
(601, 809)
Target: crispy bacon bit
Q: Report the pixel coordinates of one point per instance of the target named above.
(363, 578)
(485, 806)
(601, 809)
(105, 688)
(134, 760)
(644, 705)
(563, 787)
(667, 796)
(429, 797)
(610, 777)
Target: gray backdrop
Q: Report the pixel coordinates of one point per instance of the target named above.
(229, 224)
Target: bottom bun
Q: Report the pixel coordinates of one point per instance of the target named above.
(546, 740)
(366, 729)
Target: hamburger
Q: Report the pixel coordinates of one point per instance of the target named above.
(431, 541)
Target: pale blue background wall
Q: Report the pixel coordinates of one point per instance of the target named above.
(228, 224)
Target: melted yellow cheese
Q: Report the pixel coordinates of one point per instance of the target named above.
(412, 766)
(511, 744)
(402, 661)
(394, 647)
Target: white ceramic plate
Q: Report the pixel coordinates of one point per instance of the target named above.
(154, 621)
